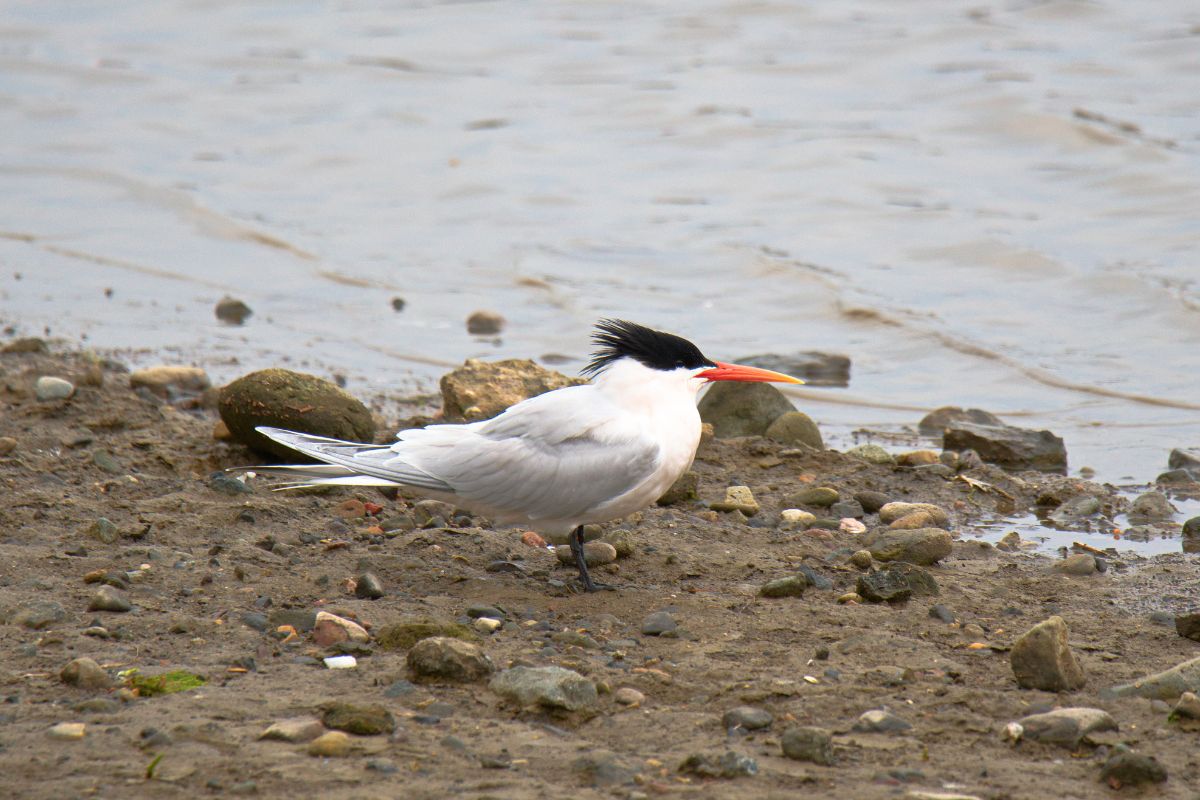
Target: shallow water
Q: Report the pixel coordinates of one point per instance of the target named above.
(991, 206)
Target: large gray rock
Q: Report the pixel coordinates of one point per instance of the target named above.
(1042, 659)
(1066, 726)
(922, 546)
(1150, 507)
(280, 398)
(1166, 685)
(1008, 446)
(481, 389)
(546, 687)
(742, 409)
(935, 422)
(793, 428)
(443, 658)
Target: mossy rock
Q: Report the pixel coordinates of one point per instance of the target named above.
(177, 680)
(403, 635)
(294, 401)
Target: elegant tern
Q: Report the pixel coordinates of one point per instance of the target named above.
(560, 460)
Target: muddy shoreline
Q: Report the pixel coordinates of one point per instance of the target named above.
(211, 577)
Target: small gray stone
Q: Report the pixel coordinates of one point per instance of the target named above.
(108, 598)
(86, 674)
(793, 428)
(815, 579)
(871, 501)
(603, 768)
(847, 508)
(295, 729)
(884, 586)
(1042, 659)
(1078, 564)
(104, 531)
(478, 610)
(232, 311)
(872, 454)
(1008, 446)
(443, 658)
(546, 687)
(818, 496)
(228, 484)
(37, 614)
(1125, 768)
(747, 717)
(1151, 506)
(942, 613)
(106, 462)
(368, 587)
(936, 421)
(97, 705)
(255, 620)
(1066, 726)
(880, 720)
(50, 388)
(791, 586)
(369, 720)
(804, 743)
(659, 623)
(728, 765)
(484, 323)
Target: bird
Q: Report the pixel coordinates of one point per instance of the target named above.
(555, 462)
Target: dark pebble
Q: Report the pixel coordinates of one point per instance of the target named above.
(399, 689)
(660, 623)
(871, 501)
(817, 580)
(383, 766)
(227, 484)
(368, 587)
(477, 611)
(258, 622)
(1132, 769)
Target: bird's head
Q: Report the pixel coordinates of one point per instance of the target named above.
(617, 340)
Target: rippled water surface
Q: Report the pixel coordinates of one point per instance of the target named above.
(991, 204)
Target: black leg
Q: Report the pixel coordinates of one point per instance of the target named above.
(576, 541)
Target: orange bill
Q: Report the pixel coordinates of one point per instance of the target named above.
(737, 372)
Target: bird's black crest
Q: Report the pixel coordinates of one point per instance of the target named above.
(616, 338)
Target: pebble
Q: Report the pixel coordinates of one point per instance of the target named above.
(546, 687)
(861, 559)
(819, 496)
(917, 458)
(1166, 685)
(594, 553)
(737, 498)
(851, 526)
(747, 717)
(295, 729)
(1007, 446)
(368, 586)
(659, 623)
(1066, 726)
(871, 501)
(1042, 659)
(328, 629)
(728, 765)
(231, 485)
(97, 705)
(896, 582)
(1125, 768)
(1188, 706)
(487, 625)
(340, 662)
(1151, 506)
(444, 658)
(166, 381)
(795, 428)
(804, 743)
(1078, 564)
(880, 720)
(106, 462)
(37, 614)
(936, 421)
(382, 765)
(255, 620)
(331, 744)
(86, 674)
(942, 613)
(232, 311)
(921, 546)
(892, 512)
(791, 586)
(682, 491)
(628, 696)
(7, 445)
(69, 731)
(103, 530)
(872, 454)
(49, 388)
(370, 720)
(108, 598)
(1188, 626)
(815, 579)
(485, 323)
(1009, 542)
(849, 597)
(796, 519)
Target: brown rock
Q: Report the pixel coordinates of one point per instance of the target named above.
(168, 380)
(331, 629)
(481, 390)
(442, 658)
(1042, 659)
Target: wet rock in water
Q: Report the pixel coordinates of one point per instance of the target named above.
(546, 687)
(796, 519)
(1066, 726)
(281, 398)
(817, 496)
(1185, 458)
(329, 629)
(872, 454)
(1042, 659)
(594, 553)
(682, 491)
(1188, 626)
(894, 512)
(368, 586)
(922, 546)
(295, 729)
(1126, 768)
(804, 743)
(48, 388)
(485, 323)
(871, 501)
(1151, 506)
(37, 614)
(1166, 685)
(370, 720)
(791, 586)
(935, 422)
(1075, 511)
(747, 717)
(728, 765)
(880, 720)
(812, 366)
(742, 409)
(659, 623)
(168, 381)
(86, 674)
(403, 635)
(232, 311)
(481, 390)
(1009, 447)
(737, 498)
(108, 598)
(1077, 564)
(1188, 707)
(442, 658)
(895, 583)
(793, 428)
(331, 744)
(628, 696)
(68, 731)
